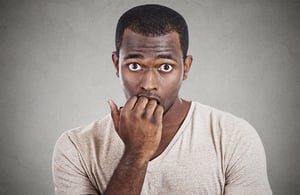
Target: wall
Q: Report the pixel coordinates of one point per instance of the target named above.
(56, 74)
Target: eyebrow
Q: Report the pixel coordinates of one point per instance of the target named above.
(166, 56)
(129, 56)
(139, 56)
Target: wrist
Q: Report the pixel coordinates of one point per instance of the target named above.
(134, 159)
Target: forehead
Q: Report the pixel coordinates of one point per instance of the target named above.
(134, 42)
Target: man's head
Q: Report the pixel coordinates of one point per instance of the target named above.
(151, 58)
(153, 20)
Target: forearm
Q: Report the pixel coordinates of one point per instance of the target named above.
(139, 125)
(128, 177)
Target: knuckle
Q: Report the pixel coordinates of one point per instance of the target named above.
(145, 115)
(135, 115)
(154, 120)
(123, 114)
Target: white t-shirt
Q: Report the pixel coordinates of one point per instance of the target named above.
(213, 152)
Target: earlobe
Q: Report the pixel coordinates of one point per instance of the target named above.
(115, 60)
(187, 66)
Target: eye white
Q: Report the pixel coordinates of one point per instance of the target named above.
(166, 68)
(134, 67)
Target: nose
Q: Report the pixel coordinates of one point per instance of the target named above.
(149, 80)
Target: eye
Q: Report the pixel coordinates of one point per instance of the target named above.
(134, 67)
(166, 68)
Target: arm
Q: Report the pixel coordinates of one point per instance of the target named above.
(69, 174)
(246, 171)
(139, 124)
(128, 177)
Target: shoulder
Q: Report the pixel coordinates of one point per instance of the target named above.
(220, 120)
(74, 154)
(84, 152)
(83, 139)
(239, 147)
(88, 132)
(228, 132)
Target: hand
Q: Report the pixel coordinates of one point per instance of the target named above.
(139, 124)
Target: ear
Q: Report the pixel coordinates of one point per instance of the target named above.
(115, 60)
(187, 65)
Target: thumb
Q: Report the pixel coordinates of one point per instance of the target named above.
(115, 114)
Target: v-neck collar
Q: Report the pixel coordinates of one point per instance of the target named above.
(176, 137)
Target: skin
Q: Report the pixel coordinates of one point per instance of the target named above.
(151, 71)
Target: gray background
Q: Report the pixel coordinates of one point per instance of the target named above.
(56, 74)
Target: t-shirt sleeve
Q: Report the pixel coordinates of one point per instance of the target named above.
(246, 163)
(69, 175)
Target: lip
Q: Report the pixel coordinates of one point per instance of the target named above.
(150, 96)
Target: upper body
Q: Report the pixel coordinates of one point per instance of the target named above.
(151, 62)
(213, 152)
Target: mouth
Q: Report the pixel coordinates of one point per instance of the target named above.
(150, 96)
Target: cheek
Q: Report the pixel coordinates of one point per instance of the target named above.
(129, 83)
(127, 88)
(172, 90)
(174, 81)
(171, 86)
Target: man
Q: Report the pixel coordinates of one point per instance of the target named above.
(158, 143)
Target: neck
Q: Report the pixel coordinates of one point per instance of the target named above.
(177, 113)
(172, 121)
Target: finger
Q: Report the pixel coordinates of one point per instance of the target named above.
(141, 103)
(158, 113)
(115, 114)
(150, 107)
(130, 103)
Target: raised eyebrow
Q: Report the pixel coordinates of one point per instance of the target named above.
(166, 56)
(130, 56)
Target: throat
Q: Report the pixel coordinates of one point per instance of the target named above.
(171, 127)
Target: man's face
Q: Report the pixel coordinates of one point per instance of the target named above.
(152, 66)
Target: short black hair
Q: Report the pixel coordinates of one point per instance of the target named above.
(153, 20)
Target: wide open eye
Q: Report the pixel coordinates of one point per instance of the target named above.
(165, 68)
(134, 67)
